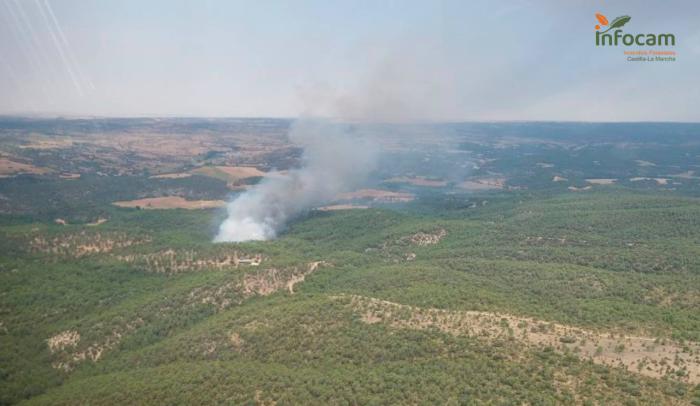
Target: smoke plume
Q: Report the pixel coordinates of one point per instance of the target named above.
(401, 86)
(336, 159)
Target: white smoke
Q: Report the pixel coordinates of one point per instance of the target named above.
(401, 86)
(335, 160)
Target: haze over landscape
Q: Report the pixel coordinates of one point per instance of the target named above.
(447, 60)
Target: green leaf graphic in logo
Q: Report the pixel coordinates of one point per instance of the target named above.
(618, 22)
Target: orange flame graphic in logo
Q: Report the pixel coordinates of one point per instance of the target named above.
(601, 19)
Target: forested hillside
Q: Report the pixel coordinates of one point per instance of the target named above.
(511, 298)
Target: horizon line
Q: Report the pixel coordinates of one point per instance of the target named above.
(51, 116)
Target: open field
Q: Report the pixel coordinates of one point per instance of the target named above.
(601, 181)
(483, 184)
(342, 207)
(419, 181)
(376, 195)
(171, 202)
(230, 173)
(172, 176)
(10, 168)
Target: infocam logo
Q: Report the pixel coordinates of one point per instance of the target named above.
(618, 37)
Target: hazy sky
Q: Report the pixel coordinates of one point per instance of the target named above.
(385, 60)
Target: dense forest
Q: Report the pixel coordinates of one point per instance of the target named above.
(86, 307)
(524, 263)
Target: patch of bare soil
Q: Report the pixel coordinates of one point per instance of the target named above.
(236, 341)
(659, 181)
(334, 207)
(173, 262)
(80, 244)
(237, 187)
(685, 175)
(271, 280)
(665, 298)
(601, 181)
(62, 340)
(68, 350)
(67, 360)
(541, 240)
(377, 195)
(580, 189)
(171, 176)
(10, 168)
(170, 202)
(419, 181)
(97, 222)
(644, 355)
(423, 239)
(259, 283)
(483, 184)
(230, 173)
(399, 249)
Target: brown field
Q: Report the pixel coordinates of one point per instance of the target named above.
(483, 184)
(229, 173)
(648, 356)
(48, 143)
(685, 175)
(236, 187)
(160, 148)
(154, 144)
(171, 202)
(77, 245)
(10, 168)
(419, 181)
(171, 176)
(333, 207)
(377, 195)
(97, 222)
(579, 189)
(601, 181)
(660, 181)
